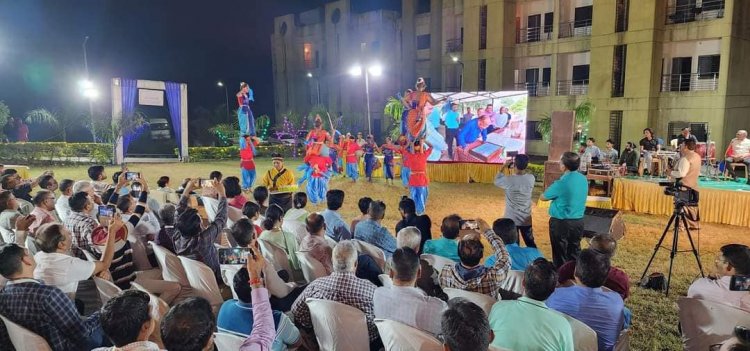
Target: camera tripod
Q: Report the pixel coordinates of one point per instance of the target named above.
(678, 216)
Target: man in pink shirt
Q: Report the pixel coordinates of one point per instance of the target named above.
(732, 259)
(44, 205)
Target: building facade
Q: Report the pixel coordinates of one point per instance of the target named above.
(660, 64)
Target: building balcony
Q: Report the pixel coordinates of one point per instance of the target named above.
(534, 88)
(690, 82)
(575, 29)
(453, 45)
(573, 87)
(709, 9)
(533, 34)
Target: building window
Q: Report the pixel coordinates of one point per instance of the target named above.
(531, 132)
(615, 129)
(618, 70)
(423, 41)
(308, 55)
(548, 22)
(580, 75)
(483, 27)
(423, 6)
(708, 66)
(482, 75)
(622, 7)
(583, 16)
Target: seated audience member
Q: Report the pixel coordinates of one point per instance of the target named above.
(520, 257)
(738, 152)
(56, 267)
(211, 191)
(279, 237)
(315, 243)
(428, 279)
(48, 182)
(80, 223)
(260, 195)
(236, 316)
(630, 158)
(464, 327)
(364, 208)
(298, 211)
(413, 308)
(527, 323)
(617, 279)
(21, 189)
(135, 192)
(341, 286)
(234, 192)
(336, 228)
(409, 218)
(61, 205)
(189, 325)
(732, 259)
(42, 309)
(601, 310)
(469, 274)
(128, 322)
(8, 214)
(194, 242)
(44, 207)
(373, 232)
(446, 246)
(98, 179)
(609, 153)
(170, 194)
(251, 210)
(85, 186)
(146, 230)
(165, 238)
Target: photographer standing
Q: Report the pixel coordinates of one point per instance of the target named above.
(687, 170)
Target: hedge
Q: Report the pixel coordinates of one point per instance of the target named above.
(55, 153)
(209, 153)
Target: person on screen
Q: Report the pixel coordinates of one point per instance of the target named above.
(451, 127)
(473, 130)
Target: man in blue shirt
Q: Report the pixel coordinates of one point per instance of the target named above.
(587, 302)
(446, 246)
(568, 195)
(452, 120)
(520, 257)
(336, 228)
(373, 232)
(473, 130)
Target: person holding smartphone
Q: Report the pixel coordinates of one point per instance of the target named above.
(732, 259)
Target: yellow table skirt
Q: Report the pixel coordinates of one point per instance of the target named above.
(462, 172)
(715, 206)
(380, 172)
(591, 201)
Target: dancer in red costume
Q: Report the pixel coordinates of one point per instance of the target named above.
(416, 120)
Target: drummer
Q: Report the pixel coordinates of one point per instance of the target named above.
(280, 183)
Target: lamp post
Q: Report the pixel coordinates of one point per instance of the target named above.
(89, 91)
(220, 84)
(374, 69)
(457, 60)
(317, 85)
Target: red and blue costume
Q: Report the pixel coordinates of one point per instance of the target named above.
(317, 173)
(247, 164)
(418, 180)
(245, 116)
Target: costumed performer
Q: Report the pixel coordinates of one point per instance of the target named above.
(350, 149)
(247, 161)
(416, 123)
(418, 180)
(317, 173)
(317, 138)
(244, 113)
(369, 148)
(280, 183)
(388, 149)
(405, 101)
(333, 151)
(405, 170)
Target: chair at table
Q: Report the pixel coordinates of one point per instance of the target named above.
(437, 262)
(227, 342)
(203, 282)
(107, 290)
(371, 250)
(311, 268)
(338, 327)
(514, 282)
(584, 338)
(401, 337)
(24, 339)
(705, 322)
(484, 301)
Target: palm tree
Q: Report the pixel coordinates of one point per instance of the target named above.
(394, 109)
(59, 120)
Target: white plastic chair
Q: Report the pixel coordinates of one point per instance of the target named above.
(159, 309)
(203, 282)
(170, 265)
(275, 285)
(228, 271)
(277, 255)
(211, 206)
(401, 337)
(707, 322)
(227, 342)
(584, 338)
(233, 215)
(386, 280)
(24, 207)
(338, 327)
(311, 268)
(296, 227)
(31, 245)
(371, 250)
(484, 301)
(107, 290)
(24, 339)
(437, 262)
(513, 282)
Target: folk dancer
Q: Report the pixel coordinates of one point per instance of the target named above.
(369, 149)
(317, 173)
(280, 183)
(416, 123)
(317, 138)
(418, 180)
(405, 170)
(244, 113)
(247, 161)
(350, 149)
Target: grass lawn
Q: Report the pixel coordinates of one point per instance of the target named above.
(655, 318)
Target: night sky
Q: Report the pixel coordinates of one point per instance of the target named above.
(196, 42)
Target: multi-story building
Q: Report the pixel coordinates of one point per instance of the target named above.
(662, 64)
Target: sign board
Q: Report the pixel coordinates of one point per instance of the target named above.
(150, 97)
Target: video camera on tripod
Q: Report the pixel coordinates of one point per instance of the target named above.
(683, 195)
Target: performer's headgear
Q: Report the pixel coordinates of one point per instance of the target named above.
(420, 82)
(277, 157)
(243, 85)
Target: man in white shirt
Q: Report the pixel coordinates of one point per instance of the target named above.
(687, 171)
(733, 259)
(61, 205)
(56, 267)
(739, 152)
(414, 307)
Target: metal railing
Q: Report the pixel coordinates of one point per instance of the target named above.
(690, 82)
(453, 45)
(534, 88)
(533, 34)
(573, 87)
(575, 29)
(709, 9)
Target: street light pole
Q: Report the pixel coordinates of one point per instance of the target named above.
(367, 93)
(91, 103)
(226, 97)
(457, 60)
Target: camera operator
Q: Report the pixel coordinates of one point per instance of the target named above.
(687, 170)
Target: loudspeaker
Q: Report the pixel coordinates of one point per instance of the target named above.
(603, 221)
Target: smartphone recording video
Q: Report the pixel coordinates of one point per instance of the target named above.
(205, 183)
(740, 283)
(107, 211)
(234, 255)
(131, 176)
(468, 224)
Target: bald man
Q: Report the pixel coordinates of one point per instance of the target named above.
(739, 152)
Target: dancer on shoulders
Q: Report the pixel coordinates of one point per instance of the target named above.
(416, 123)
(370, 147)
(418, 180)
(247, 161)
(317, 138)
(244, 113)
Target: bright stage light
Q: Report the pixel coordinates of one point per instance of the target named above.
(356, 70)
(86, 84)
(454, 58)
(309, 75)
(90, 93)
(376, 70)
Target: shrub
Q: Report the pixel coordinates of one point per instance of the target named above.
(209, 153)
(537, 171)
(55, 153)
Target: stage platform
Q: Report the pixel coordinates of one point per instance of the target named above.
(725, 202)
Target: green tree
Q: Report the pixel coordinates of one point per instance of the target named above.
(62, 121)
(394, 109)
(4, 116)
